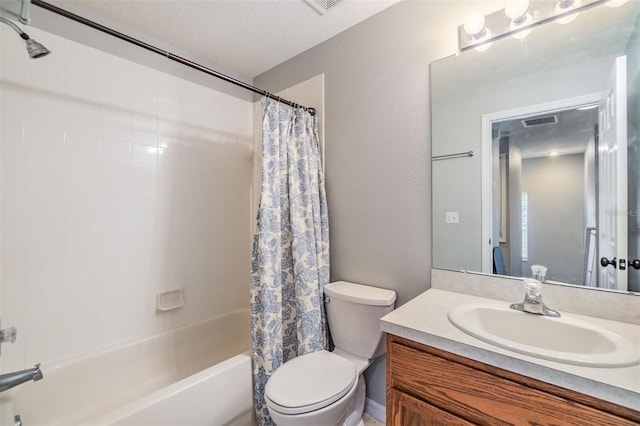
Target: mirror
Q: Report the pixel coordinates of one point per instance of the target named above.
(551, 121)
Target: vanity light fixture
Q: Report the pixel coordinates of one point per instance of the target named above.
(518, 18)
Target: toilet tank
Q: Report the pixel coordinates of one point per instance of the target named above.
(353, 313)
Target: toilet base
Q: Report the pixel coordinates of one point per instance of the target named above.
(356, 408)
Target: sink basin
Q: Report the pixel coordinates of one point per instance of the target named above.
(566, 339)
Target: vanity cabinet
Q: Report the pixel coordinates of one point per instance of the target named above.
(428, 386)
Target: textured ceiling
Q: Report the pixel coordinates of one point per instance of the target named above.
(246, 36)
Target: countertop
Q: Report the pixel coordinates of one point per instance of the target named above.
(424, 320)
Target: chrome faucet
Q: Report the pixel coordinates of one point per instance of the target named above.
(9, 380)
(533, 300)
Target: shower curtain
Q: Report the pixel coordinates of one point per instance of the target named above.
(290, 263)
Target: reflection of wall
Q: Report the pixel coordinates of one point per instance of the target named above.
(457, 120)
(633, 123)
(556, 216)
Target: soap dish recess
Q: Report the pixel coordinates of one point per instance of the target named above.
(170, 300)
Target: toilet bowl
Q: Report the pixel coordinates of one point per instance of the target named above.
(314, 389)
(328, 388)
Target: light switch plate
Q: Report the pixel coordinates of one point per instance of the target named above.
(451, 217)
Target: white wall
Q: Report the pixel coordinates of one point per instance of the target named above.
(118, 182)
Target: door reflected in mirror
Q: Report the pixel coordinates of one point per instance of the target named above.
(544, 196)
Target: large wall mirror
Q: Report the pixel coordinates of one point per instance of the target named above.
(536, 153)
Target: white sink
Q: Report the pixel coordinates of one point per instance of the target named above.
(566, 339)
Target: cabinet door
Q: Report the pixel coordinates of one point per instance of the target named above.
(482, 397)
(405, 410)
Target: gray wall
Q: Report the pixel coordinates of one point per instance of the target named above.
(377, 139)
(378, 143)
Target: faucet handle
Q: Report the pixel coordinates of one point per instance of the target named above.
(532, 288)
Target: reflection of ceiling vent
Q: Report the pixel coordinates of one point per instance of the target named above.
(323, 6)
(549, 119)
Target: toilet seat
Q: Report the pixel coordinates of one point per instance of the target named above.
(310, 382)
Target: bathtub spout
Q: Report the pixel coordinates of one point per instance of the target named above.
(9, 380)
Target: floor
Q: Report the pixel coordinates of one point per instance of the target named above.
(370, 421)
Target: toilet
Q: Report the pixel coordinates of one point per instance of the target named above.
(328, 388)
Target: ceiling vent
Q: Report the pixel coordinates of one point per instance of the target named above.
(538, 121)
(323, 6)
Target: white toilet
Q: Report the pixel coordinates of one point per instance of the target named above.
(327, 388)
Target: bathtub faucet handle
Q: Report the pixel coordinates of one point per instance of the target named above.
(8, 335)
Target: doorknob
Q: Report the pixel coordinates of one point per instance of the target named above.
(635, 263)
(606, 262)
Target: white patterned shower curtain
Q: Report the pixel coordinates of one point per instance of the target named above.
(290, 263)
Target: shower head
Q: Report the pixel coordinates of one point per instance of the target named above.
(35, 49)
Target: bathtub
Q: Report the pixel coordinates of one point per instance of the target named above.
(194, 375)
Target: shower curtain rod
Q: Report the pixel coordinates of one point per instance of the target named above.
(167, 54)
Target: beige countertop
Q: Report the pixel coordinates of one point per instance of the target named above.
(424, 320)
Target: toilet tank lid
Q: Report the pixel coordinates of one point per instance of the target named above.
(362, 294)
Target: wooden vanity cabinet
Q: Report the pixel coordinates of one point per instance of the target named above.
(428, 386)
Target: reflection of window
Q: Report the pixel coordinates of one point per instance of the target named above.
(525, 230)
(503, 198)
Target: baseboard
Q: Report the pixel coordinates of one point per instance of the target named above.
(375, 410)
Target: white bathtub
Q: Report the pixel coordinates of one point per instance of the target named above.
(194, 375)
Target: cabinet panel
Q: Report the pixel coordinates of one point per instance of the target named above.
(408, 410)
(481, 397)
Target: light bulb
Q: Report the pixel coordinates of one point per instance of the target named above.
(567, 19)
(483, 47)
(479, 38)
(474, 24)
(521, 34)
(516, 8)
(522, 21)
(565, 6)
(587, 107)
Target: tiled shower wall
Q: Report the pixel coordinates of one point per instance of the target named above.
(118, 182)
